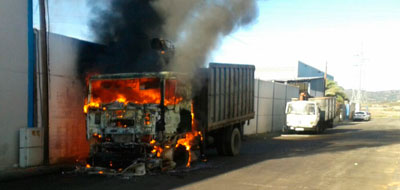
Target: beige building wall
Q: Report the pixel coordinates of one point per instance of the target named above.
(67, 129)
(13, 78)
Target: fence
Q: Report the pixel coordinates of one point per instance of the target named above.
(270, 100)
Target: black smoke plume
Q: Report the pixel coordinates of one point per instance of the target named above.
(124, 28)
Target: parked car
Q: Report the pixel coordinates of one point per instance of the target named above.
(362, 115)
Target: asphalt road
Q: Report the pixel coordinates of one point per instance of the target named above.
(358, 155)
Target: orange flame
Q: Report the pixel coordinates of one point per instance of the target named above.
(92, 104)
(121, 99)
(158, 150)
(187, 142)
(147, 119)
(189, 139)
(131, 90)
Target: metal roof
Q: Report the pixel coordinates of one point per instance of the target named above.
(302, 79)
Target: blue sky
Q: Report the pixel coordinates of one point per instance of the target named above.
(316, 32)
(313, 31)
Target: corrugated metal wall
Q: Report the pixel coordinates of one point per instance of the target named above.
(230, 94)
(305, 70)
(317, 87)
(270, 102)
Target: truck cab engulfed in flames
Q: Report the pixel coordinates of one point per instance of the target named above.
(165, 119)
(137, 115)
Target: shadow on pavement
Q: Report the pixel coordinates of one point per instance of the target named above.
(337, 131)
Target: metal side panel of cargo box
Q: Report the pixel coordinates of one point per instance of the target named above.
(230, 94)
(327, 106)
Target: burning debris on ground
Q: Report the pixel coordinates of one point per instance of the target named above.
(141, 118)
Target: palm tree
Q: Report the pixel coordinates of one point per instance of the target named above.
(333, 89)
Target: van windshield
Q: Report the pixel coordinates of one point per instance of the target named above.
(301, 109)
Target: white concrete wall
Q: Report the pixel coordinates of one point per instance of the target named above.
(279, 118)
(270, 101)
(13, 78)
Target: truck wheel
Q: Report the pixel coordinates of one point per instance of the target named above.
(286, 130)
(233, 142)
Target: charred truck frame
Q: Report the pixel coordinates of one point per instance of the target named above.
(154, 118)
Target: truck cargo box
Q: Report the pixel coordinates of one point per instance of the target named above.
(230, 94)
(327, 105)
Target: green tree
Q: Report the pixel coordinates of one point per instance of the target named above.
(333, 89)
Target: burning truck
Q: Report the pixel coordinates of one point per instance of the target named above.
(159, 119)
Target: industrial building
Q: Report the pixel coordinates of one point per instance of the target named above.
(304, 71)
(313, 86)
(290, 71)
(306, 77)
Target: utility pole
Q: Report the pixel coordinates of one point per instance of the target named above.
(357, 95)
(326, 70)
(45, 75)
(325, 76)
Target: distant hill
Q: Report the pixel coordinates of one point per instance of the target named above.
(379, 96)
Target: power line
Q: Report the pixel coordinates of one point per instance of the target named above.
(358, 96)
